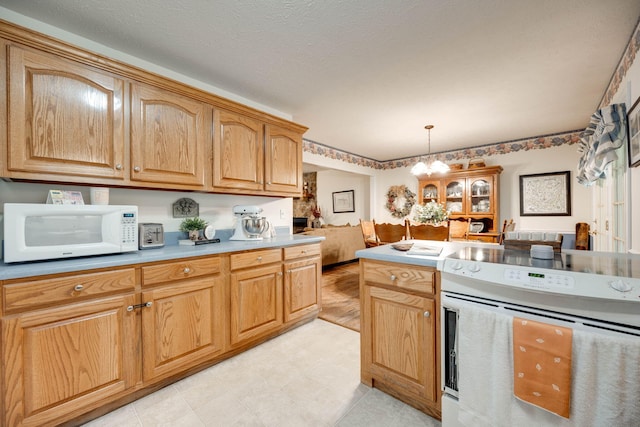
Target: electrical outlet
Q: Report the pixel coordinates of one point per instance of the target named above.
(281, 213)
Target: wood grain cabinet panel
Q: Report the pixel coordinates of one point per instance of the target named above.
(255, 258)
(402, 339)
(238, 153)
(29, 294)
(65, 119)
(65, 360)
(397, 275)
(170, 135)
(256, 302)
(293, 252)
(169, 272)
(302, 288)
(283, 161)
(184, 325)
(399, 333)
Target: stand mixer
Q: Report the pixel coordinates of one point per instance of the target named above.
(249, 224)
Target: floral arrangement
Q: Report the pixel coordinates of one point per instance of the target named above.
(431, 213)
(409, 200)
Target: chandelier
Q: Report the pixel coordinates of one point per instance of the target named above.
(430, 167)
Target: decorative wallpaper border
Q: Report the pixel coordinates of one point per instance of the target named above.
(533, 143)
(623, 67)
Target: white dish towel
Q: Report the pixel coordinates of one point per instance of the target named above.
(605, 383)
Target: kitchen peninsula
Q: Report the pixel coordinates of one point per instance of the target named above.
(400, 322)
(84, 336)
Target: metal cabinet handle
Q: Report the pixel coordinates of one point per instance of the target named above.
(259, 258)
(304, 251)
(427, 313)
(119, 167)
(136, 169)
(280, 273)
(186, 270)
(393, 277)
(144, 304)
(78, 288)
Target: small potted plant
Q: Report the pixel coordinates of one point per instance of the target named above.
(193, 226)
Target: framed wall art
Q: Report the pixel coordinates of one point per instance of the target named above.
(343, 201)
(633, 118)
(545, 194)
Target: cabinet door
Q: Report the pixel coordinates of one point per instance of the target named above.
(399, 345)
(63, 361)
(302, 286)
(481, 195)
(283, 161)
(65, 119)
(184, 325)
(429, 191)
(455, 196)
(238, 153)
(169, 137)
(256, 302)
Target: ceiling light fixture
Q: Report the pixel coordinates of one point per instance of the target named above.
(430, 167)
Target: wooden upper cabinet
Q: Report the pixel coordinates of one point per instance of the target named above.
(283, 160)
(64, 119)
(75, 116)
(170, 135)
(238, 153)
(251, 156)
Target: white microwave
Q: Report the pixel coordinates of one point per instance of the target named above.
(37, 232)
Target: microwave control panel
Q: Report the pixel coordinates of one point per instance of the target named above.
(129, 228)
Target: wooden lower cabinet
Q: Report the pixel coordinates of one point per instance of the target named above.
(60, 361)
(302, 282)
(183, 326)
(256, 302)
(400, 332)
(86, 342)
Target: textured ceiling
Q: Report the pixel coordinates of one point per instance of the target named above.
(366, 75)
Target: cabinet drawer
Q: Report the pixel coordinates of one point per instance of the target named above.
(184, 269)
(421, 279)
(294, 252)
(255, 258)
(32, 293)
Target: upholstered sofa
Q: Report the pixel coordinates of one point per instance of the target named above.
(340, 244)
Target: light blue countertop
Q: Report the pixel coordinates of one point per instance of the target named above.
(387, 253)
(169, 252)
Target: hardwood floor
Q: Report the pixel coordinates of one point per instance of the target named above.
(341, 295)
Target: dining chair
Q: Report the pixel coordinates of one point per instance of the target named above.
(389, 233)
(459, 229)
(506, 227)
(368, 233)
(428, 232)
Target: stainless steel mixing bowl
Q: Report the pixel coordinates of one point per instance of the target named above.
(254, 226)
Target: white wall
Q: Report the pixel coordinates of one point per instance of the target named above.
(157, 206)
(329, 181)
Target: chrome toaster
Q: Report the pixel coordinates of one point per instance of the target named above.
(150, 235)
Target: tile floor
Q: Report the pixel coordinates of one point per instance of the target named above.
(309, 376)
